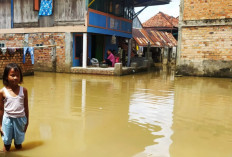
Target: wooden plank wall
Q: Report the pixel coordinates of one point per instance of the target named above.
(24, 14)
(5, 14)
(69, 12)
(65, 13)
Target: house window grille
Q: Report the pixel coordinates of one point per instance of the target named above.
(2, 45)
(120, 8)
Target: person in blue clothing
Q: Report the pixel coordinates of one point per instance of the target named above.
(14, 114)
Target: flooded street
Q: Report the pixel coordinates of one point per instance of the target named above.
(148, 114)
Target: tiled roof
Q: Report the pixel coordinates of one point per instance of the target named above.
(156, 38)
(161, 20)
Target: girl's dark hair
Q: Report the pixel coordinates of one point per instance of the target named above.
(7, 70)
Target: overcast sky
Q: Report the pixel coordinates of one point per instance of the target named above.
(171, 9)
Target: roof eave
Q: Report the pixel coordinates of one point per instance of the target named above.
(142, 3)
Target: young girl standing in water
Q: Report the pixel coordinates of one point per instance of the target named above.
(13, 107)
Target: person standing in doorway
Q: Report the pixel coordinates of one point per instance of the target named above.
(14, 114)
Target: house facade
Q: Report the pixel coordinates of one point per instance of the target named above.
(158, 33)
(69, 33)
(205, 37)
(162, 45)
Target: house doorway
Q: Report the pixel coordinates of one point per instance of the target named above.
(98, 47)
(78, 50)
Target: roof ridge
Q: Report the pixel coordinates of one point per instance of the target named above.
(164, 15)
(169, 20)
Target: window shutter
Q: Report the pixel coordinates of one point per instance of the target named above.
(36, 5)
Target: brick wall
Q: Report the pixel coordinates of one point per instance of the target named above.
(17, 57)
(46, 58)
(49, 58)
(207, 43)
(207, 9)
(43, 60)
(59, 39)
(205, 40)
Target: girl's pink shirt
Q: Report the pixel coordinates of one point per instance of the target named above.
(112, 59)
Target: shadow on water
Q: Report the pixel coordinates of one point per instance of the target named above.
(32, 145)
(26, 146)
(11, 154)
(29, 145)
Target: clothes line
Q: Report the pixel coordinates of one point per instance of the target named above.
(45, 46)
(14, 49)
(26, 50)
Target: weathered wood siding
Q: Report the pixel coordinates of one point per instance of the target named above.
(5, 14)
(69, 12)
(24, 15)
(65, 13)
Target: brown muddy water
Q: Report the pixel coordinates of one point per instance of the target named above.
(149, 114)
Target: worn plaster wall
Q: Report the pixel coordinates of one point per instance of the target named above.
(50, 57)
(205, 41)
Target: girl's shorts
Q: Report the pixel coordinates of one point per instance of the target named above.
(13, 128)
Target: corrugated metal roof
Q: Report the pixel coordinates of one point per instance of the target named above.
(140, 38)
(171, 38)
(156, 38)
(165, 36)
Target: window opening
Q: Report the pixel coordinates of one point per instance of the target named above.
(119, 8)
(2, 45)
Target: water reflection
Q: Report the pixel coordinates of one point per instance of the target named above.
(152, 108)
(147, 114)
(202, 117)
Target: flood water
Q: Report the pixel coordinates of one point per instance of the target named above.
(144, 115)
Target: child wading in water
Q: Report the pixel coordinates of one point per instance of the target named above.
(13, 107)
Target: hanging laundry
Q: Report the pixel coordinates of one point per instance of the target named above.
(29, 50)
(11, 51)
(45, 8)
(19, 50)
(4, 50)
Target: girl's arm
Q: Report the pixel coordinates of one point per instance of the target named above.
(26, 107)
(1, 110)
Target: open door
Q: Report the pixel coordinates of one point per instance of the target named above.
(98, 47)
(78, 51)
